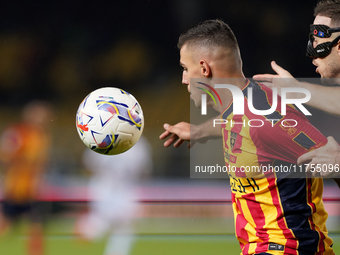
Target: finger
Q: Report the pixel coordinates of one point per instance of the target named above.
(307, 168)
(171, 140)
(178, 143)
(166, 126)
(164, 135)
(264, 77)
(310, 169)
(334, 144)
(172, 129)
(330, 138)
(306, 157)
(318, 169)
(280, 71)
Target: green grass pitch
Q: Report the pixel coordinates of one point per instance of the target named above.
(59, 240)
(144, 245)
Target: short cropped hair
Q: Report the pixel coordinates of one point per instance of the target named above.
(330, 9)
(210, 33)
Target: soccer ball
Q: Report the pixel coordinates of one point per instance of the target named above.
(109, 121)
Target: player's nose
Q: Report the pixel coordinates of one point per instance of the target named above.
(184, 79)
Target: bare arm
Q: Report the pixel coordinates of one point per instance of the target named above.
(323, 98)
(184, 131)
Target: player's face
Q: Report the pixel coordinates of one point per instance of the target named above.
(191, 69)
(328, 67)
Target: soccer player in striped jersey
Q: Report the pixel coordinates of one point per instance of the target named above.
(24, 153)
(273, 215)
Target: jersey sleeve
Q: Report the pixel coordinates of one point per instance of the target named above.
(290, 137)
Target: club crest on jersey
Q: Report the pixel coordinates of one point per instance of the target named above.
(233, 137)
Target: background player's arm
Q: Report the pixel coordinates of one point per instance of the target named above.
(184, 131)
(319, 94)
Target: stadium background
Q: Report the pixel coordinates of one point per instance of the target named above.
(62, 50)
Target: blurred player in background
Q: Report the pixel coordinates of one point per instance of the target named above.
(112, 193)
(24, 153)
(273, 215)
(324, 48)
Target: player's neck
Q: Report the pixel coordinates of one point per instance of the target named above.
(225, 94)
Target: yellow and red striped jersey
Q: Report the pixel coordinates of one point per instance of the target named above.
(24, 149)
(274, 211)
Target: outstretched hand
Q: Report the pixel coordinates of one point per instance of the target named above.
(323, 161)
(179, 133)
(276, 80)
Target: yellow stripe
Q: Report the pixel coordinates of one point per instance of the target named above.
(138, 125)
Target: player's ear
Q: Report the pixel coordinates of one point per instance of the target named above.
(205, 68)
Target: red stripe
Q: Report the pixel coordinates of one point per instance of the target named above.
(259, 220)
(225, 136)
(321, 242)
(291, 244)
(239, 173)
(240, 225)
(237, 128)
